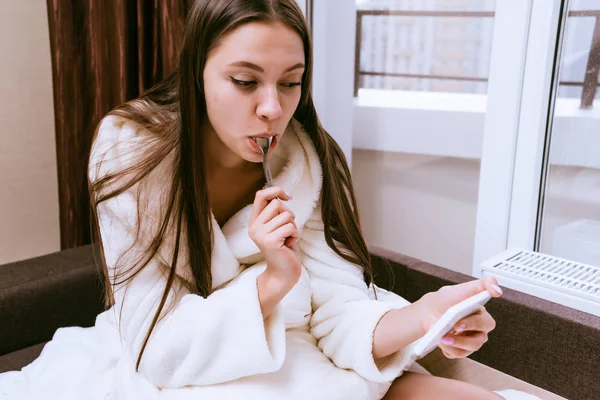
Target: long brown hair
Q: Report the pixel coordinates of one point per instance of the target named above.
(174, 111)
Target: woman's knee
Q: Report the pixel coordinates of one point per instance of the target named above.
(414, 386)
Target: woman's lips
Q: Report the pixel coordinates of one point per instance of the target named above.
(257, 148)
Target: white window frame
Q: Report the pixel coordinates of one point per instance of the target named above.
(509, 188)
(514, 121)
(334, 31)
(511, 31)
(536, 121)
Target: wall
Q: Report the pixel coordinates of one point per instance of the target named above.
(422, 206)
(426, 207)
(29, 224)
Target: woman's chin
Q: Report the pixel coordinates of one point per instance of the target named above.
(252, 157)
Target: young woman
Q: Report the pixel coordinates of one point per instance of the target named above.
(217, 286)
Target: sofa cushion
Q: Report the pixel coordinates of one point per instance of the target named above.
(40, 295)
(435, 363)
(18, 359)
(468, 370)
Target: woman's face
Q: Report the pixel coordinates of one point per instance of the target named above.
(252, 85)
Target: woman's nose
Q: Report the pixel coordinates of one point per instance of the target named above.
(269, 108)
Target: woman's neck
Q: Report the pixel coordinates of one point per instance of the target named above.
(229, 192)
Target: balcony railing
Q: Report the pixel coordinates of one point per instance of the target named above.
(589, 84)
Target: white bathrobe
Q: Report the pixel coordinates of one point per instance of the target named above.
(316, 344)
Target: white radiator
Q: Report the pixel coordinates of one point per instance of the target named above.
(562, 281)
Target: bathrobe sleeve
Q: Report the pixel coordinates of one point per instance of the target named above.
(345, 312)
(200, 341)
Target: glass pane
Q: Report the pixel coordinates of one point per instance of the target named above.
(417, 184)
(440, 46)
(570, 224)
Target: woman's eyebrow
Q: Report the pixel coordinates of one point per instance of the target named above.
(255, 67)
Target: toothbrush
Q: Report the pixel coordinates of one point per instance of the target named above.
(265, 145)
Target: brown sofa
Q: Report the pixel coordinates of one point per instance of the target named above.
(538, 346)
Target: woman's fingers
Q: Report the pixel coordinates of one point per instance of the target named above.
(470, 342)
(451, 352)
(472, 334)
(481, 321)
(491, 285)
(281, 236)
(448, 296)
(264, 197)
(278, 221)
(272, 210)
(272, 222)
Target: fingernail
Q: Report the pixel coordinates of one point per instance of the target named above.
(448, 340)
(288, 195)
(461, 328)
(497, 289)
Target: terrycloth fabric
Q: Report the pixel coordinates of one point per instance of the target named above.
(510, 394)
(315, 345)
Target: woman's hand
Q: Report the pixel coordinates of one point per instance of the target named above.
(272, 227)
(470, 333)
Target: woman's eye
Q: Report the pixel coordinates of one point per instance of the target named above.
(291, 84)
(243, 83)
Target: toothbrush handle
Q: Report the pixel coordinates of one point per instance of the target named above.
(267, 171)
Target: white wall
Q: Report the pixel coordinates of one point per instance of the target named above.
(302, 4)
(29, 219)
(426, 118)
(422, 206)
(426, 207)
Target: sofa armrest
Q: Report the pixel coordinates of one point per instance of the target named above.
(40, 295)
(546, 344)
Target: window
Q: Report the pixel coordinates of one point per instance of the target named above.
(569, 207)
(468, 138)
(421, 93)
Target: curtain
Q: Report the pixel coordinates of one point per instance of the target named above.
(104, 53)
